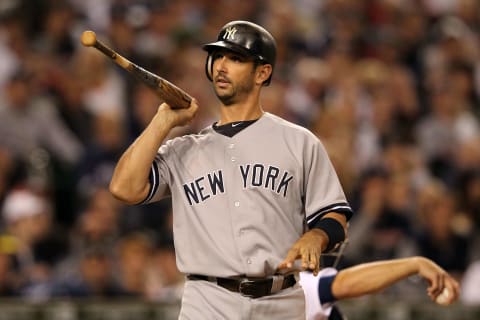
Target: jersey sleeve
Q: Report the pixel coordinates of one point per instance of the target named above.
(159, 176)
(323, 191)
(317, 290)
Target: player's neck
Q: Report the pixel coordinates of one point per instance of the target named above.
(240, 112)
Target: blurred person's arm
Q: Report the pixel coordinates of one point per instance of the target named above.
(362, 224)
(373, 277)
(54, 133)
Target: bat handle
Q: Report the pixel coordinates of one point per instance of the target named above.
(124, 63)
(171, 94)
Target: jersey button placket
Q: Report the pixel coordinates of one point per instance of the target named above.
(231, 146)
(230, 152)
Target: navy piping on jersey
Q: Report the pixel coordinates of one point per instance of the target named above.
(153, 178)
(340, 207)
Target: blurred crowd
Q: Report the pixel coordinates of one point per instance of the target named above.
(391, 87)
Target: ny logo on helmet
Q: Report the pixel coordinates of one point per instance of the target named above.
(230, 33)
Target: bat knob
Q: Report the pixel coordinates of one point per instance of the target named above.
(88, 38)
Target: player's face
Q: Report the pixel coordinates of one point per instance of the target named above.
(233, 76)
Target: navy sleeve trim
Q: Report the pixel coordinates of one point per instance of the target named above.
(333, 229)
(340, 207)
(153, 178)
(325, 289)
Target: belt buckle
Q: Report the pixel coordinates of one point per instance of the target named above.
(245, 284)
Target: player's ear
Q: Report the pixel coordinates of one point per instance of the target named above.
(263, 73)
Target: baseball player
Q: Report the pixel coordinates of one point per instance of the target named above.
(330, 285)
(251, 194)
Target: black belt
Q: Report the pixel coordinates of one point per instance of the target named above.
(251, 287)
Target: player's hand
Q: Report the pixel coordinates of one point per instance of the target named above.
(438, 280)
(308, 248)
(176, 117)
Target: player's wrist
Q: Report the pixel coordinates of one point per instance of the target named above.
(321, 237)
(164, 120)
(333, 230)
(417, 264)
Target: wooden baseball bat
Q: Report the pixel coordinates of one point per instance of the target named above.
(171, 94)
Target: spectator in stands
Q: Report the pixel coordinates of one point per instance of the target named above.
(29, 122)
(380, 229)
(438, 238)
(134, 252)
(37, 244)
(92, 277)
(9, 277)
(167, 282)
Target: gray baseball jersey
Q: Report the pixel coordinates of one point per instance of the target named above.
(241, 202)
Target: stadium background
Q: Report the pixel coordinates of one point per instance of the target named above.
(391, 87)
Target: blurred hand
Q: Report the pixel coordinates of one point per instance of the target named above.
(438, 280)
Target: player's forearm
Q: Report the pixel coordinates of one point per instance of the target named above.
(372, 277)
(130, 178)
(340, 217)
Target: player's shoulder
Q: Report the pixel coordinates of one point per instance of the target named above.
(187, 140)
(288, 126)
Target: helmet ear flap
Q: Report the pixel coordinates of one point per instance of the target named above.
(209, 67)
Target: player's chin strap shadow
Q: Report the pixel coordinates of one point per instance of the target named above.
(336, 254)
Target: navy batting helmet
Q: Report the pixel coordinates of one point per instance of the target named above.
(246, 38)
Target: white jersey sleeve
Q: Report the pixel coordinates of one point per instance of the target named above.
(315, 308)
(159, 175)
(323, 191)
